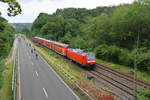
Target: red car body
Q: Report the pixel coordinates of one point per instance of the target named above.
(61, 48)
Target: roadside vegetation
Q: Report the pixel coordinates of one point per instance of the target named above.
(6, 38)
(6, 41)
(6, 81)
(144, 94)
(110, 32)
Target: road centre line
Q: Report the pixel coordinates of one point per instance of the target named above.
(37, 74)
(59, 78)
(19, 73)
(45, 92)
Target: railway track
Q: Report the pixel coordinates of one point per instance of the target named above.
(115, 82)
(96, 73)
(124, 76)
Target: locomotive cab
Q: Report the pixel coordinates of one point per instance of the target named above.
(91, 61)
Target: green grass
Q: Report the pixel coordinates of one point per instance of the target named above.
(9, 55)
(144, 94)
(141, 75)
(5, 90)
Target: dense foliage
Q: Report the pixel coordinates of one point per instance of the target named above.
(6, 37)
(143, 94)
(112, 32)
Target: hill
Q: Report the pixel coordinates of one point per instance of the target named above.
(20, 26)
(110, 32)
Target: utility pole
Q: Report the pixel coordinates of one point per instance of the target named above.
(135, 75)
(135, 68)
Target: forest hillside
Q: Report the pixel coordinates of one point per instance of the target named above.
(113, 33)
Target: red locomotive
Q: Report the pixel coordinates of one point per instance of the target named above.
(86, 59)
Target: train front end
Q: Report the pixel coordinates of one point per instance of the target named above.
(91, 60)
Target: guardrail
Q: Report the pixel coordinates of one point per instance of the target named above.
(14, 77)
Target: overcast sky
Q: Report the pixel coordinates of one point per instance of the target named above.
(32, 8)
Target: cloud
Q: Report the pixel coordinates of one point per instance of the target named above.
(32, 8)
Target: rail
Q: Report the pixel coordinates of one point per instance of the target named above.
(125, 76)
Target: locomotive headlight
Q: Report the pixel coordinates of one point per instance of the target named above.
(90, 61)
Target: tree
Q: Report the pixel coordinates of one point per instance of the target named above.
(6, 38)
(25, 30)
(54, 28)
(67, 38)
(71, 26)
(41, 20)
(97, 30)
(128, 22)
(14, 7)
(115, 27)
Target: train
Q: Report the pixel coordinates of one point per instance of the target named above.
(85, 59)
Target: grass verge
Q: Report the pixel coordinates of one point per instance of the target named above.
(6, 89)
(141, 75)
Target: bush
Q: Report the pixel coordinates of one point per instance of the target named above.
(109, 53)
(2, 68)
(144, 62)
(114, 53)
(126, 57)
(143, 94)
(102, 52)
(123, 56)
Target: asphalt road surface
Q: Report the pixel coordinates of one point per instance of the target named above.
(37, 80)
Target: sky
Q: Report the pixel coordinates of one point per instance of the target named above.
(32, 8)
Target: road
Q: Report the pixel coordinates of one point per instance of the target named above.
(37, 79)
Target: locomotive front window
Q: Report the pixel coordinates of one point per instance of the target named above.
(90, 56)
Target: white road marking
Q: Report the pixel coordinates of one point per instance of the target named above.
(60, 78)
(37, 74)
(32, 63)
(45, 92)
(19, 75)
